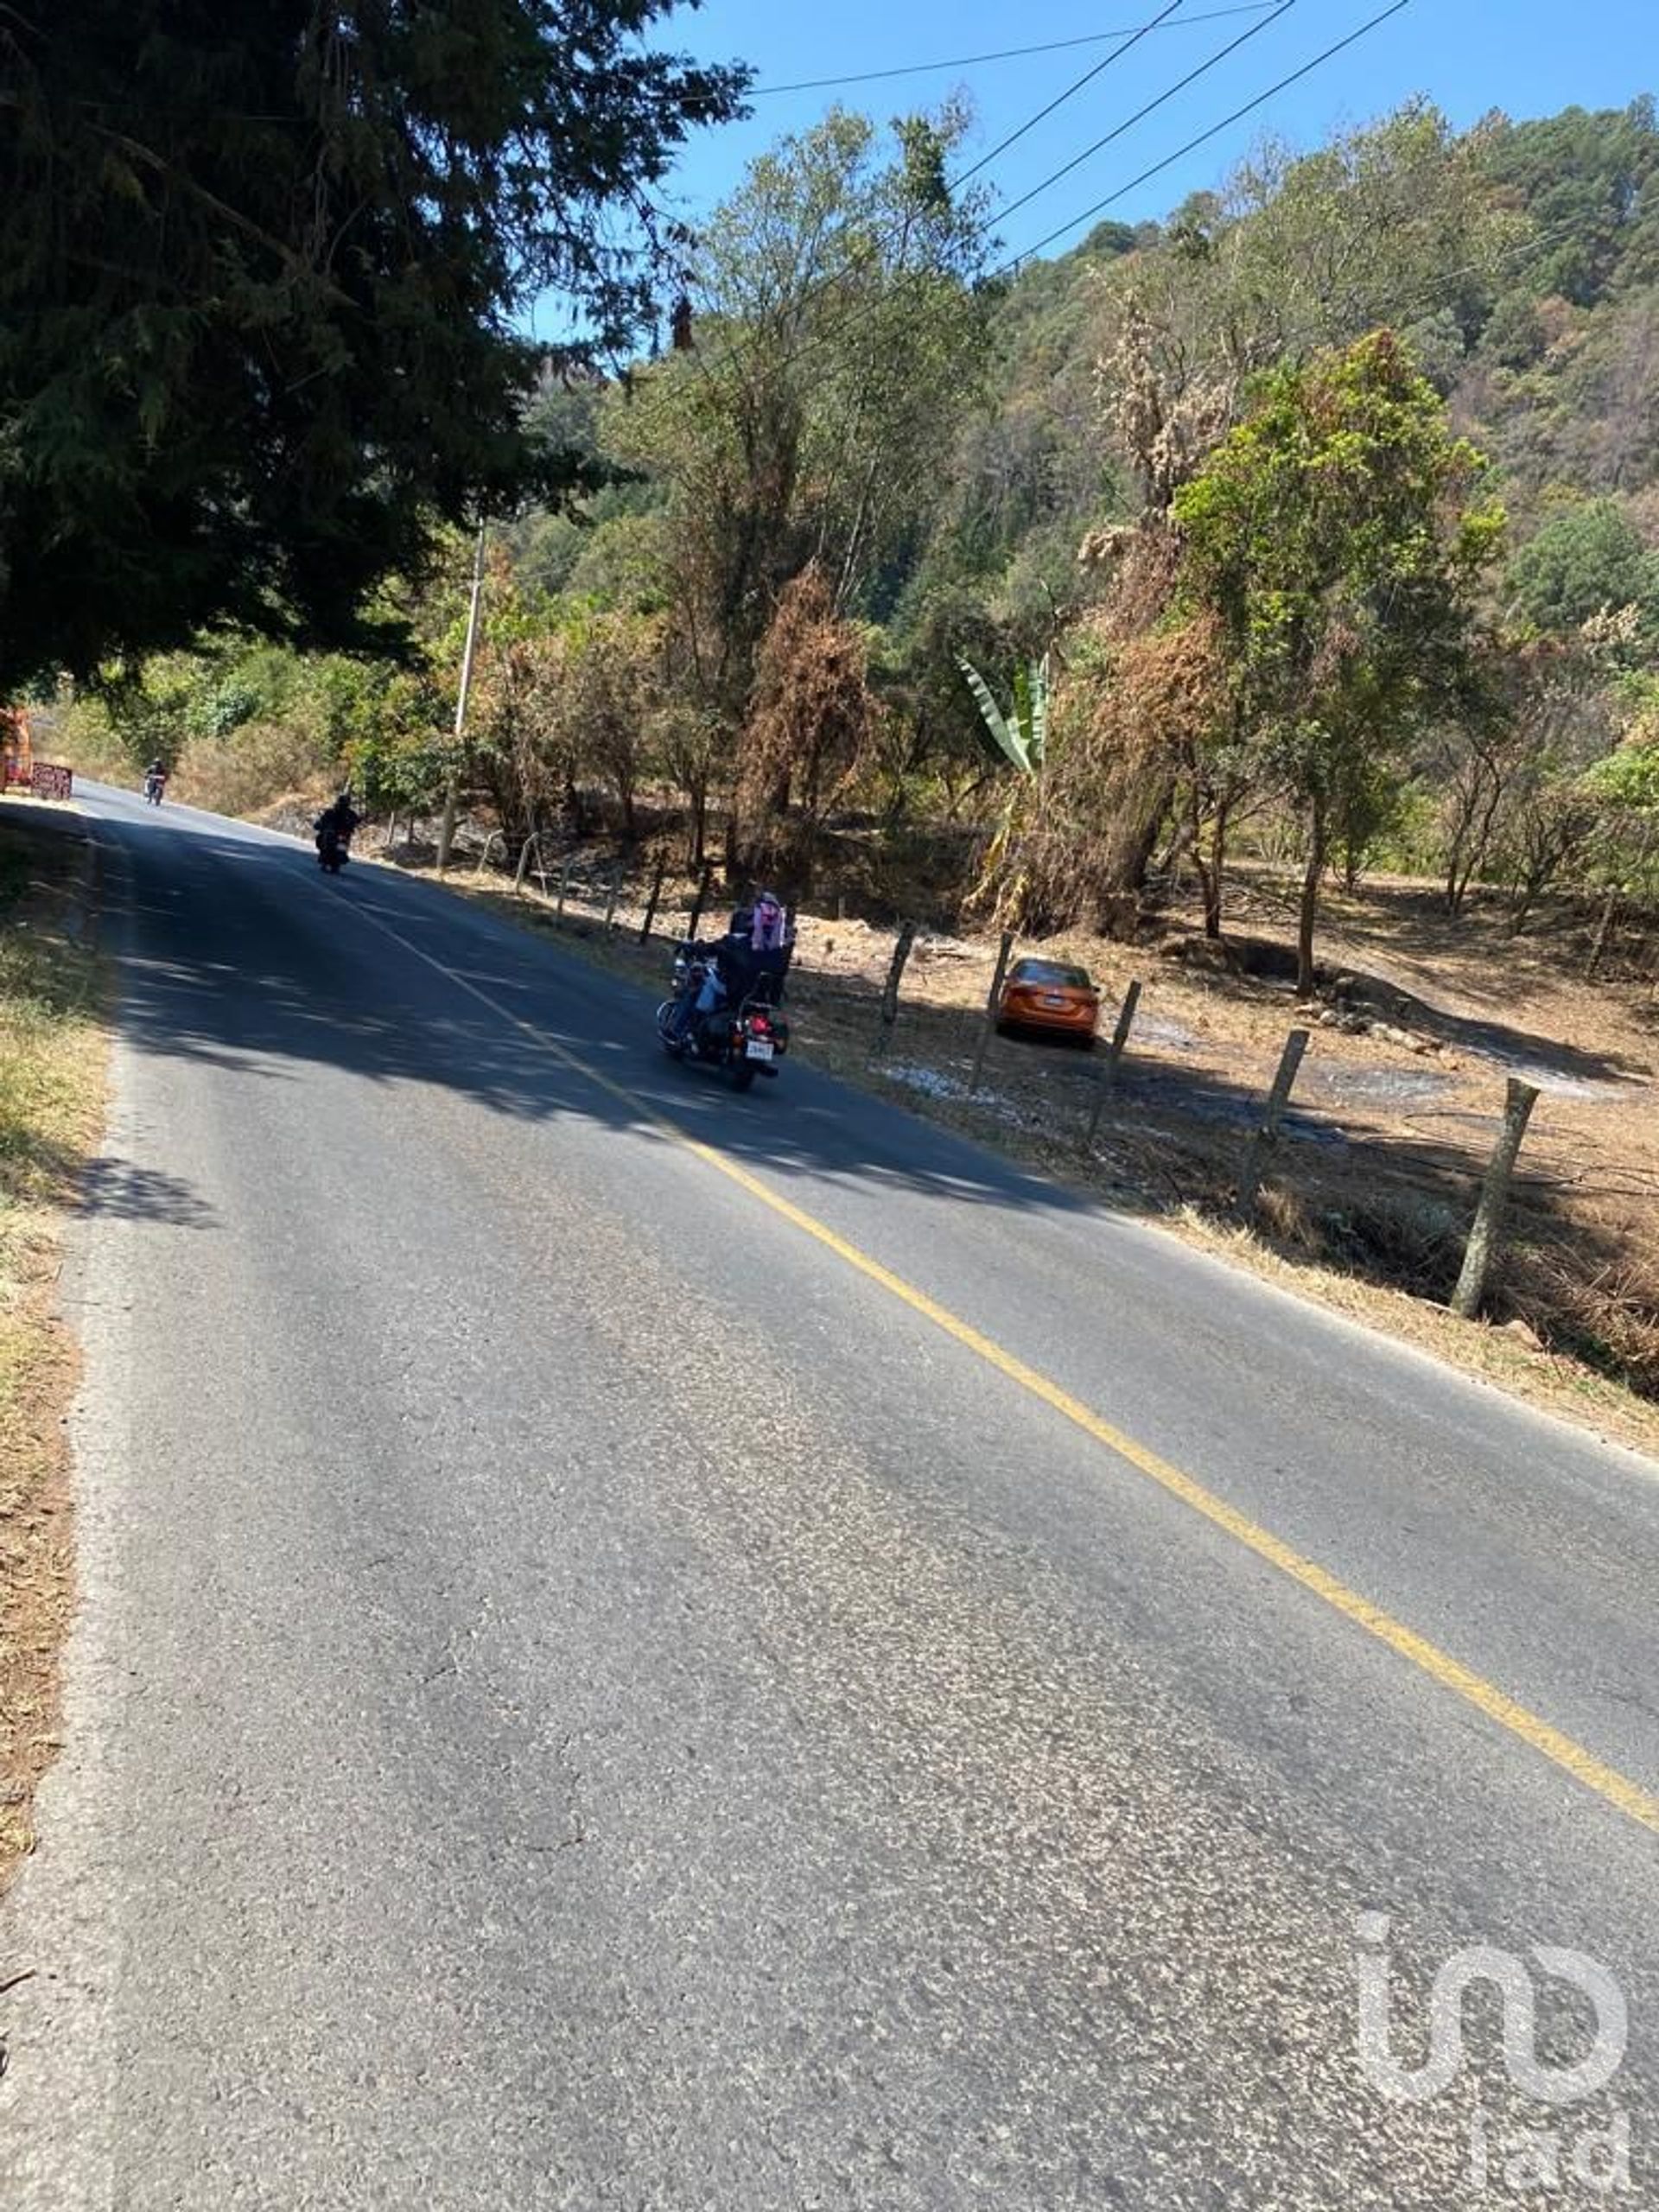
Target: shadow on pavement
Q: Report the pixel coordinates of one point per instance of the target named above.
(242, 957)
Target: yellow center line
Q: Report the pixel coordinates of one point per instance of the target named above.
(1629, 1797)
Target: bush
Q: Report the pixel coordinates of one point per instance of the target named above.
(259, 764)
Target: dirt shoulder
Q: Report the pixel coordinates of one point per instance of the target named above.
(1369, 1197)
(53, 1056)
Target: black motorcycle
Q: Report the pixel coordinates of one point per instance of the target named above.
(333, 850)
(154, 788)
(743, 1037)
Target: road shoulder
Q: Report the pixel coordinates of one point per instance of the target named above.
(54, 1058)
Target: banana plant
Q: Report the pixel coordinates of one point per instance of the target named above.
(1021, 738)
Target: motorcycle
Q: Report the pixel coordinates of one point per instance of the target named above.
(153, 787)
(333, 851)
(742, 1038)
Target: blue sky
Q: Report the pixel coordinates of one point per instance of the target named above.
(1526, 57)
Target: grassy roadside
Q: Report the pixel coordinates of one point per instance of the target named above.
(834, 1030)
(52, 1057)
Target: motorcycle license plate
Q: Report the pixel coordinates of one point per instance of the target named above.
(757, 1048)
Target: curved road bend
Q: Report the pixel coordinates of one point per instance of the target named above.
(817, 1672)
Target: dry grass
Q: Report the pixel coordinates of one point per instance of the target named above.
(53, 1051)
(240, 775)
(1407, 1095)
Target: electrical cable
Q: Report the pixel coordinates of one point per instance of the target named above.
(1061, 97)
(1204, 136)
(975, 60)
(954, 184)
(1140, 114)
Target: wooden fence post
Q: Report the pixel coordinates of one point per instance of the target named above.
(1106, 1081)
(656, 893)
(1478, 1253)
(612, 895)
(529, 845)
(993, 1000)
(1267, 1135)
(890, 991)
(705, 878)
(564, 885)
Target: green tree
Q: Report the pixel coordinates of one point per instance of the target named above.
(1336, 537)
(838, 341)
(1394, 225)
(260, 272)
(1588, 558)
(1625, 786)
(1587, 180)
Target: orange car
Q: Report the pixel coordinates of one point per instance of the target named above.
(1049, 994)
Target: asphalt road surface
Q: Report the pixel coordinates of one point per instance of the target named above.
(649, 1648)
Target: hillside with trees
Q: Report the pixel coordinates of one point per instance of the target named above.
(867, 455)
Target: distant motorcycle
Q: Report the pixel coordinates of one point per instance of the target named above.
(333, 850)
(741, 1038)
(155, 786)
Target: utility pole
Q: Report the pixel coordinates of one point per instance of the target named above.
(452, 789)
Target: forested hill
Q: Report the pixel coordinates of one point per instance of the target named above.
(867, 450)
(1546, 341)
(1519, 260)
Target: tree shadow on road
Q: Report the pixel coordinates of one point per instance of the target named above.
(243, 959)
(117, 1190)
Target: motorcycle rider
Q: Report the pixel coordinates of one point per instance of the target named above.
(337, 820)
(155, 775)
(757, 943)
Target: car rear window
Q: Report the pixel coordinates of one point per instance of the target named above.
(1049, 972)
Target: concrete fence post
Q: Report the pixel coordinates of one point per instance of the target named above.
(1266, 1134)
(993, 1002)
(1106, 1081)
(1482, 1246)
(890, 990)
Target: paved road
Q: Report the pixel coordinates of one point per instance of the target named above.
(615, 1677)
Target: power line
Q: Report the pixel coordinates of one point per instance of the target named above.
(1140, 114)
(1007, 53)
(1060, 98)
(850, 322)
(1204, 136)
(954, 184)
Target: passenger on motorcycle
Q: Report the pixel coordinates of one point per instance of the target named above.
(756, 945)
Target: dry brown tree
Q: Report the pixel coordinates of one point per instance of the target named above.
(809, 726)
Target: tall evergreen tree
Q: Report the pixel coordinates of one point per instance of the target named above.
(263, 271)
